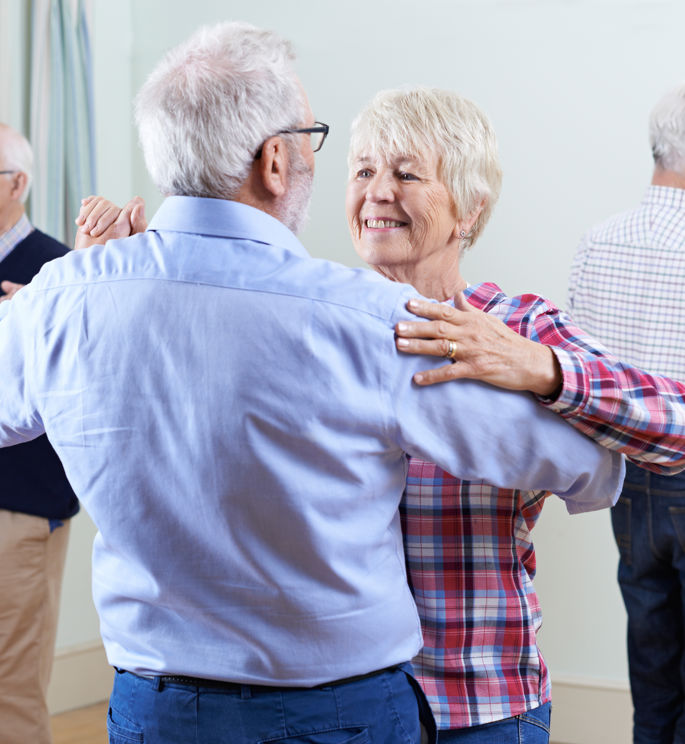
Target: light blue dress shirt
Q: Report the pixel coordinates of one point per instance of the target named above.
(233, 415)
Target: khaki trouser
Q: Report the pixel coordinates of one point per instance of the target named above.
(31, 568)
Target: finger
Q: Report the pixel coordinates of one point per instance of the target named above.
(437, 347)
(101, 218)
(433, 310)
(87, 205)
(433, 329)
(138, 219)
(440, 374)
(463, 305)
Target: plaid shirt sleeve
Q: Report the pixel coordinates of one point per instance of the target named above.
(619, 406)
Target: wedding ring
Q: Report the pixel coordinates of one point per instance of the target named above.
(451, 350)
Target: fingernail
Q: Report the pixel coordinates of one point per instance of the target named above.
(401, 327)
(418, 378)
(413, 303)
(403, 342)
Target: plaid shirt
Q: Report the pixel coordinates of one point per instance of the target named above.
(469, 551)
(626, 283)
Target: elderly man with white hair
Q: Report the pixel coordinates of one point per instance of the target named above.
(234, 416)
(36, 500)
(626, 288)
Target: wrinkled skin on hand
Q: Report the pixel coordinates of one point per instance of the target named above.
(486, 349)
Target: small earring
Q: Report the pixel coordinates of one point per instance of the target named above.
(462, 234)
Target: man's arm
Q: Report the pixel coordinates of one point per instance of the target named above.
(478, 432)
(619, 406)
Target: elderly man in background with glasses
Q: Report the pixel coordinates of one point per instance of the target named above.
(36, 500)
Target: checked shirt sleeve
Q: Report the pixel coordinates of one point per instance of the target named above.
(619, 406)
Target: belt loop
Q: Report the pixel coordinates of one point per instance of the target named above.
(157, 684)
(245, 692)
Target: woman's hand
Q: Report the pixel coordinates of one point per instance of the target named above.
(483, 348)
(101, 220)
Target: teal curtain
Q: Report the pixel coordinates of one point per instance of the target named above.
(62, 129)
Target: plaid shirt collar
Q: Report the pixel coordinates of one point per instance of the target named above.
(18, 232)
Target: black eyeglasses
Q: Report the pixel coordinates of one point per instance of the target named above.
(4, 173)
(317, 134)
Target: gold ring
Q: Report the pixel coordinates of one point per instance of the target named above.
(451, 350)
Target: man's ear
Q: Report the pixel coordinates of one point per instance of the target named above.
(273, 166)
(19, 181)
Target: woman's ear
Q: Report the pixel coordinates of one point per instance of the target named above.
(273, 166)
(464, 226)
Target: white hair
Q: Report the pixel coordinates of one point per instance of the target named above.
(412, 121)
(209, 105)
(16, 155)
(667, 130)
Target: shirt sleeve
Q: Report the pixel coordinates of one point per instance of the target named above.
(477, 432)
(621, 407)
(19, 418)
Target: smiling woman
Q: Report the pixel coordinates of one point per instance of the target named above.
(424, 177)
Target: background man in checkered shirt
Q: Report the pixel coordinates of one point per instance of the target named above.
(626, 288)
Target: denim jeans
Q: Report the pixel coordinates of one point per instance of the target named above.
(531, 727)
(649, 527)
(382, 709)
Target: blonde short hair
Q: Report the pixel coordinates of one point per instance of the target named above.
(412, 121)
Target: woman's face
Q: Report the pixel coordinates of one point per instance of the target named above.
(401, 216)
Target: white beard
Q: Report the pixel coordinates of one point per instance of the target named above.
(294, 211)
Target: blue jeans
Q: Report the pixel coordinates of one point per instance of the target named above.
(531, 727)
(649, 527)
(384, 708)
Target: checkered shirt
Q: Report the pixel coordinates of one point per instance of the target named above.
(9, 240)
(469, 550)
(627, 280)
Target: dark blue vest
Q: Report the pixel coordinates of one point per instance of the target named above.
(32, 477)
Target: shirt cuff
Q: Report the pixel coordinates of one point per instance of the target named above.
(575, 386)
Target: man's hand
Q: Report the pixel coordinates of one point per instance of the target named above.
(483, 348)
(101, 220)
(10, 289)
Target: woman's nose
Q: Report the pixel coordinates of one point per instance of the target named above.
(380, 189)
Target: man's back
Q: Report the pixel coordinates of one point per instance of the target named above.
(234, 416)
(626, 283)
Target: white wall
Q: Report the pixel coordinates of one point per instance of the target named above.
(568, 85)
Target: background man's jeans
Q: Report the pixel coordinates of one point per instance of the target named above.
(649, 527)
(531, 727)
(383, 709)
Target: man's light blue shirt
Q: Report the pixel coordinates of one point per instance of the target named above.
(234, 416)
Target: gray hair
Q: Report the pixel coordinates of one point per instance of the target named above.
(667, 130)
(210, 104)
(413, 120)
(16, 155)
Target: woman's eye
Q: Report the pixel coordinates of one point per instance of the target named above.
(404, 176)
(363, 173)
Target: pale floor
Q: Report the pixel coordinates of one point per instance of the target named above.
(83, 726)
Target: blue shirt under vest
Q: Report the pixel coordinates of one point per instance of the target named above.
(234, 416)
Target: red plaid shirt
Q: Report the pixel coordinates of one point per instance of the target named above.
(469, 551)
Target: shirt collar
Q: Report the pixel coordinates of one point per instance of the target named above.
(18, 232)
(665, 196)
(223, 218)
